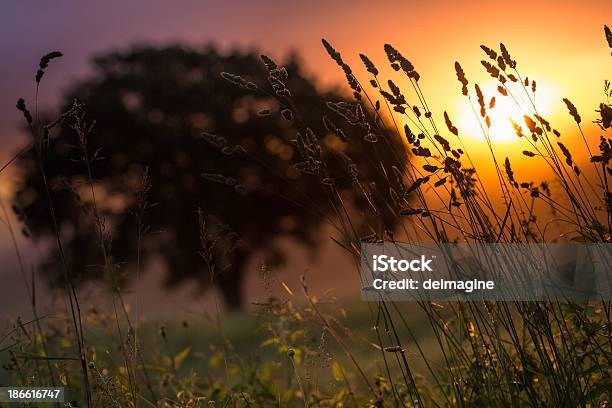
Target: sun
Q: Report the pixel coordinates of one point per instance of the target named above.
(505, 110)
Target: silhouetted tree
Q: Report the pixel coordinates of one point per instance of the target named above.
(150, 107)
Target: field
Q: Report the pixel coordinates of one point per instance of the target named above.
(416, 182)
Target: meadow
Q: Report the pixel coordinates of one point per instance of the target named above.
(309, 349)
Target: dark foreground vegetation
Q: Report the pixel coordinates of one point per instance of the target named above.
(307, 349)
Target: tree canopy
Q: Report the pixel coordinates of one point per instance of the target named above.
(150, 107)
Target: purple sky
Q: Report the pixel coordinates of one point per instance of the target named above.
(29, 29)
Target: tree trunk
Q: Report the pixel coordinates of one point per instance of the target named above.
(232, 294)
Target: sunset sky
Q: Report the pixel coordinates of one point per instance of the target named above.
(560, 44)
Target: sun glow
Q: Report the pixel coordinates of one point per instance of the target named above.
(505, 110)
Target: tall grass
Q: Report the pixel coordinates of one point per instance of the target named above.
(486, 354)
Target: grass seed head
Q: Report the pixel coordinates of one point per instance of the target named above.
(370, 67)
(491, 53)
(453, 129)
(572, 110)
(461, 77)
(506, 55)
(608, 33)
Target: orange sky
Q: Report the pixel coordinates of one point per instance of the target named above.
(559, 43)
